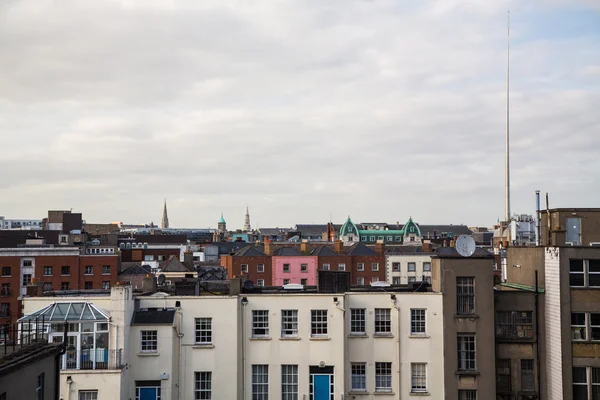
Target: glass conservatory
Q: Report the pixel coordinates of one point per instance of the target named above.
(87, 334)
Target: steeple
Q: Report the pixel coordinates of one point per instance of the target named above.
(165, 219)
(247, 221)
(222, 225)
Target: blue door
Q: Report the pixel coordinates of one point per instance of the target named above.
(147, 393)
(322, 387)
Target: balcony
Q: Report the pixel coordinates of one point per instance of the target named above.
(92, 359)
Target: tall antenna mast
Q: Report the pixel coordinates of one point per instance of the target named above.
(507, 171)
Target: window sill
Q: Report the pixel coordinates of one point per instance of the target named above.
(383, 393)
(418, 336)
(149, 354)
(383, 335)
(320, 338)
(419, 394)
(260, 338)
(290, 338)
(356, 392)
(83, 274)
(468, 316)
(203, 346)
(467, 373)
(358, 336)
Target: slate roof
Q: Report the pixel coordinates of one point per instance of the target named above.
(153, 316)
(229, 247)
(274, 231)
(455, 229)
(137, 270)
(172, 264)
(212, 274)
(250, 251)
(323, 251)
(287, 252)
(313, 229)
(360, 249)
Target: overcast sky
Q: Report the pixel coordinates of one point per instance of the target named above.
(378, 109)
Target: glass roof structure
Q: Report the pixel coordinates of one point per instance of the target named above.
(76, 311)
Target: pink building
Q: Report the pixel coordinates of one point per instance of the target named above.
(291, 266)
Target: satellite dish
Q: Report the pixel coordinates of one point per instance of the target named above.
(248, 285)
(161, 279)
(465, 245)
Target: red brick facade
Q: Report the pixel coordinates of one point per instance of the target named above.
(233, 265)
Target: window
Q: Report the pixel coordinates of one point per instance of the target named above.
(383, 321)
(594, 326)
(303, 282)
(467, 395)
(5, 271)
(286, 281)
(363, 238)
(88, 285)
(260, 323)
(396, 267)
(65, 270)
(374, 279)
(303, 267)
(5, 289)
(318, 322)
(527, 380)
(580, 390)
(106, 285)
(578, 326)
(47, 287)
(88, 270)
(260, 282)
(465, 295)
(417, 321)
(358, 321)
(149, 341)
(383, 376)
(260, 268)
(418, 377)
(203, 330)
(360, 281)
(375, 266)
(358, 377)
(360, 267)
(289, 382)
(371, 238)
(27, 263)
(40, 387)
(325, 267)
(4, 309)
(514, 325)
(503, 376)
(203, 385)
(286, 267)
(341, 267)
(26, 279)
(426, 266)
(576, 273)
(106, 270)
(289, 323)
(595, 383)
(64, 286)
(594, 273)
(396, 280)
(48, 271)
(466, 352)
(260, 382)
(411, 279)
(88, 395)
(412, 267)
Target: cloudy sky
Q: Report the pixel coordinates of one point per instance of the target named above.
(378, 109)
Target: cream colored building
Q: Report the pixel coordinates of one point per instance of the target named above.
(404, 268)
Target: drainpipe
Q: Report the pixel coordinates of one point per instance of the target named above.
(179, 336)
(393, 299)
(243, 351)
(57, 363)
(537, 335)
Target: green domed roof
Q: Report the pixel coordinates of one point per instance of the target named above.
(222, 221)
(348, 228)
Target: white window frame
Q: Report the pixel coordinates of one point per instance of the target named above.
(260, 267)
(358, 377)
(87, 395)
(149, 341)
(45, 272)
(326, 267)
(360, 267)
(396, 280)
(590, 273)
(360, 281)
(418, 377)
(358, 319)
(581, 328)
(383, 321)
(260, 282)
(202, 385)
(106, 270)
(244, 268)
(260, 387)
(289, 382)
(203, 330)
(303, 267)
(374, 279)
(319, 323)
(587, 379)
(288, 269)
(411, 279)
(396, 266)
(374, 267)
(383, 377)
(341, 267)
(411, 266)
(427, 266)
(594, 326)
(105, 285)
(289, 323)
(260, 322)
(418, 321)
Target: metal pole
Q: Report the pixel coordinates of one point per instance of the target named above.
(507, 171)
(537, 335)
(538, 227)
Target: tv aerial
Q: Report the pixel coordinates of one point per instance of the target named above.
(465, 245)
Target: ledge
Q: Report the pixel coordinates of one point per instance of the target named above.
(358, 393)
(419, 394)
(383, 335)
(467, 316)
(320, 338)
(290, 338)
(149, 354)
(467, 373)
(203, 346)
(417, 336)
(358, 336)
(382, 393)
(260, 338)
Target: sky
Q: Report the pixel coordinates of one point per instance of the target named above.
(304, 110)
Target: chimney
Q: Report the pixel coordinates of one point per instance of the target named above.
(188, 259)
(235, 286)
(445, 243)
(34, 289)
(268, 250)
(304, 246)
(426, 247)
(338, 246)
(148, 284)
(380, 247)
(452, 243)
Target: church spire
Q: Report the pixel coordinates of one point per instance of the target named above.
(165, 219)
(247, 221)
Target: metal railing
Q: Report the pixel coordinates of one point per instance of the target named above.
(23, 334)
(93, 359)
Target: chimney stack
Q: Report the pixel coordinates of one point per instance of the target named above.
(148, 284)
(426, 247)
(188, 259)
(380, 247)
(268, 250)
(304, 246)
(338, 246)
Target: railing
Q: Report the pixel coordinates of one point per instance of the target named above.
(23, 334)
(93, 359)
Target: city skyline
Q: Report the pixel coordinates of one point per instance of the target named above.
(375, 110)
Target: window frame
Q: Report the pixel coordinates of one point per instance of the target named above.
(426, 266)
(202, 385)
(360, 280)
(6, 268)
(244, 268)
(396, 266)
(514, 325)
(87, 394)
(289, 381)
(260, 322)
(260, 282)
(341, 266)
(319, 323)
(106, 270)
(358, 377)
(382, 321)
(40, 384)
(467, 394)
(360, 267)
(463, 343)
(260, 268)
(203, 330)
(356, 321)
(383, 374)
(411, 266)
(418, 375)
(46, 269)
(590, 273)
(465, 295)
(326, 267)
(579, 384)
(374, 267)
(260, 388)
(418, 321)
(304, 267)
(579, 327)
(289, 323)
(149, 341)
(503, 375)
(527, 375)
(287, 268)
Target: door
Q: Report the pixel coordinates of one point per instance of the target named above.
(70, 359)
(574, 231)
(147, 393)
(321, 387)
